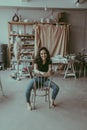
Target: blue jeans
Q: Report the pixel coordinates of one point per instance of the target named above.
(30, 86)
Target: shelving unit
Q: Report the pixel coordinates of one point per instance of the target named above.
(25, 31)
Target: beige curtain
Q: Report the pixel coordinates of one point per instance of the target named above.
(54, 37)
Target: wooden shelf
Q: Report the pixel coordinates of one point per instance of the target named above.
(27, 38)
(22, 35)
(29, 23)
(21, 23)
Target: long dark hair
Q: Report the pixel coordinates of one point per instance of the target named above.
(38, 57)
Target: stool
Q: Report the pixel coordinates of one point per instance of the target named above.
(70, 71)
(83, 69)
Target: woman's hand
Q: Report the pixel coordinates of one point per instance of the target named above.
(42, 73)
(45, 74)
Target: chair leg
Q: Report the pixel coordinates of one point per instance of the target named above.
(34, 100)
(49, 98)
(46, 96)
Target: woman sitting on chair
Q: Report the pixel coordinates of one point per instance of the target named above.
(43, 66)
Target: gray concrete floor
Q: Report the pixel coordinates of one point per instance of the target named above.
(70, 113)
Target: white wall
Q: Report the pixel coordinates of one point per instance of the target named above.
(42, 3)
(6, 15)
(77, 19)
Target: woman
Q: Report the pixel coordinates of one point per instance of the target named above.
(43, 66)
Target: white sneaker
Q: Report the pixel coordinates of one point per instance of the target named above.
(29, 106)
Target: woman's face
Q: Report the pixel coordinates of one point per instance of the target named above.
(43, 55)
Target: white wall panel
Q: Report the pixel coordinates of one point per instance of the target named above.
(42, 3)
(77, 36)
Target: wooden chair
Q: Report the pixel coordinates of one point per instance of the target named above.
(41, 88)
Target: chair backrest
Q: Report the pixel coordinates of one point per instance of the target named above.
(42, 84)
(41, 81)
